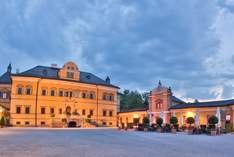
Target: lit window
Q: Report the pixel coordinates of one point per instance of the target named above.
(4, 95)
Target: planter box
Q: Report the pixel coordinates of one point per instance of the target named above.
(159, 130)
(189, 131)
(213, 132)
(173, 131)
(146, 129)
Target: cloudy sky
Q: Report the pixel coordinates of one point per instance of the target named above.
(189, 45)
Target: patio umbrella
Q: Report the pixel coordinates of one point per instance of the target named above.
(218, 115)
(197, 119)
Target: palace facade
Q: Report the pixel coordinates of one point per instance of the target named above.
(163, 104)
(58, 97)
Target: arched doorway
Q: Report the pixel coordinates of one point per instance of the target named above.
(72, 124)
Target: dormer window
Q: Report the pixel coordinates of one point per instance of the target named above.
(70, 71)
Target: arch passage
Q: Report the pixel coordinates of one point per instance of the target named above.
(72, 124)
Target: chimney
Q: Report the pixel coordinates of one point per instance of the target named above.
(108, 80)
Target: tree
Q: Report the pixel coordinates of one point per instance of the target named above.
(2, 121)
(133, 99)
(213, 120)
(159, 122)
(190, 121)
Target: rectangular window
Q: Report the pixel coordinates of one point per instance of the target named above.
(71, 94)
(19, 91)
(28, 91)
(52, 110)
(104, 113)
(52, 93)
(66, 94)
(111, 113)
(91, 112)
(91, 96)
(4, 95)
(43, 110)
(60, 111)
(104, 123)
(43, 92)
(83, 112)
(60, 93)
(18, 109)
(70, 75)
(27, 123)
(42, 123)
(110, 123)
(18, 123)
(83, 95)
(27, 110)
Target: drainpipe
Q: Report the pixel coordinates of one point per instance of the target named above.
(36, 101)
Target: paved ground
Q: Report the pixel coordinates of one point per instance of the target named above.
(110, 143)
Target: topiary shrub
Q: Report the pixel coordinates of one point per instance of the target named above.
(146, 122)
(159, 122)
(213, 120)
(174, 121)
(190, 121)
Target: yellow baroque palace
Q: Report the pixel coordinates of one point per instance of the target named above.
(59, 97)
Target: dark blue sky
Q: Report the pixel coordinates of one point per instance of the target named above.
(186, 44)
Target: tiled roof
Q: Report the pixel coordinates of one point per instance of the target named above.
(175, 99)
(52, 73)
(5, 78)
(204, 104)
(134, 110)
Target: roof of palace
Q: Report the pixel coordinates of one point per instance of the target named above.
(204, 104)
(5, 78)
(134, 110)
(175, 99)
(52, 73)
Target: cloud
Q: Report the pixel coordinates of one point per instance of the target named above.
(183, 43)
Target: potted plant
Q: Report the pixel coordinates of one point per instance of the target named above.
(159, 124)
(190, 121)
(146, 123)
(174, 123)
(213, 120)
(2, 122)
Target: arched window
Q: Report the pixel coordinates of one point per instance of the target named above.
(111, 97)
(104, 96)
(28, 90)
(19, 90)
(84, 95)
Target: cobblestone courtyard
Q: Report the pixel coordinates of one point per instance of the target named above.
(109, 142)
